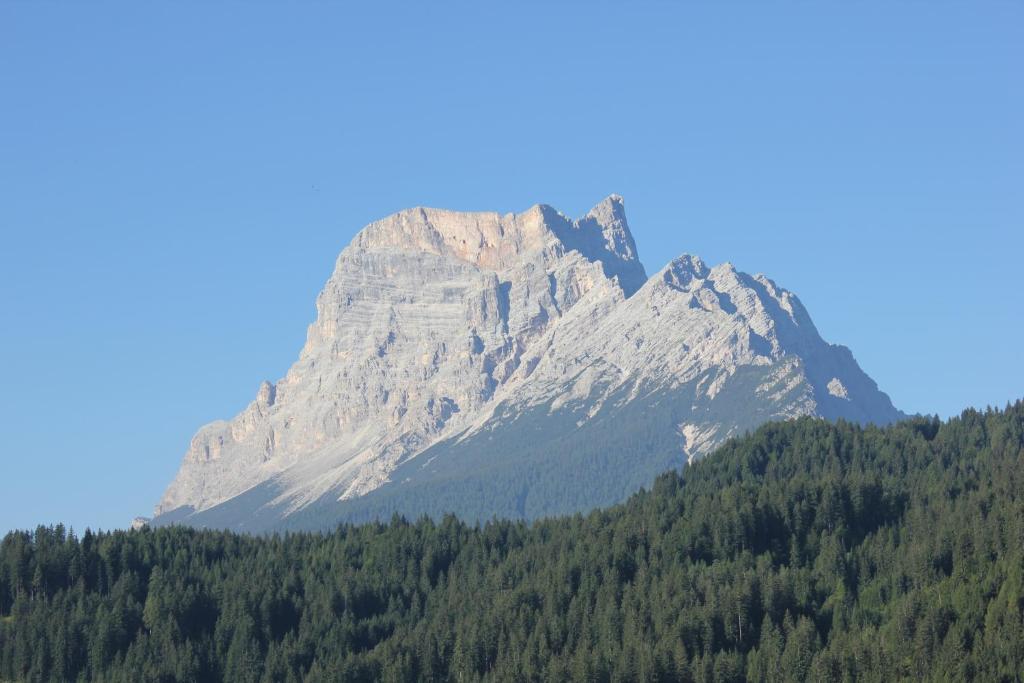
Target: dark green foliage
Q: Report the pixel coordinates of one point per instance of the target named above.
(545, 461)
(806, 551)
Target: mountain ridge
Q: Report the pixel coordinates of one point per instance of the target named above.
(440, 329)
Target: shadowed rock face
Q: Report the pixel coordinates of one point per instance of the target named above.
(438, 325)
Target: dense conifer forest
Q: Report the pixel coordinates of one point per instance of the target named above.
(804, 551)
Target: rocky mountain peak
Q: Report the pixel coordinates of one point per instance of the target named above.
(461, 334)
(681, 271)
(610, 216)
(499, 242)
(484, 239)
(603, 235)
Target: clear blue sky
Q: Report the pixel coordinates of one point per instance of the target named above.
(177, 179)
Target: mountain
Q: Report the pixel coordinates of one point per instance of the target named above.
(518, 365)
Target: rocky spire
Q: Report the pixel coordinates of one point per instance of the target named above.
(603, 235)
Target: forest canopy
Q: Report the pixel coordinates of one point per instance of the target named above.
(805, 550)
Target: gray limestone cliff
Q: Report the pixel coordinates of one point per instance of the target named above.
(439, 329)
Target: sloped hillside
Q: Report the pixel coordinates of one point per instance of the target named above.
(806, 551)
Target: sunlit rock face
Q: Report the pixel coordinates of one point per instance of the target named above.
(437, 326)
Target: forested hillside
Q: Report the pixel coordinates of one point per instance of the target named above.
(807, 550)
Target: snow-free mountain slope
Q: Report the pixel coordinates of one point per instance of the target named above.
(427, 313)
(517, 364)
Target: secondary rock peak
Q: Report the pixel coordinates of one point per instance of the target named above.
(681, 270)
(610, 208)
(603, 235)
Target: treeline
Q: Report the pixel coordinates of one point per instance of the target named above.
(805, 551)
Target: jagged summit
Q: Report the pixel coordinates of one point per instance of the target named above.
(488, 349)
(682, 270)
(498, 242)
(603, 235)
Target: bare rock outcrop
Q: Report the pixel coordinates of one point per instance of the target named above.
(428, 313)
(439, 325)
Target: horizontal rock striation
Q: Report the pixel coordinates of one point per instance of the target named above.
(440, 329)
